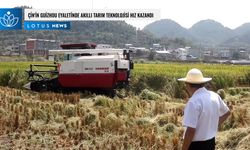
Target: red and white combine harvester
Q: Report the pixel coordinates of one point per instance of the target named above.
(77, 68)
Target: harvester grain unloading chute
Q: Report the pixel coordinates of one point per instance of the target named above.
(91, 69)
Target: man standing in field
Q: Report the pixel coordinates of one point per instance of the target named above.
(203, 113)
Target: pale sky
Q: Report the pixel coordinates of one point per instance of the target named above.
(231, 13)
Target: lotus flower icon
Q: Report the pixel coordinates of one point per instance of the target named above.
(8, 20)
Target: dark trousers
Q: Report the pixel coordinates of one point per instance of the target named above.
(203, 145)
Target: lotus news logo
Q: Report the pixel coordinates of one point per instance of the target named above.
(10, 19)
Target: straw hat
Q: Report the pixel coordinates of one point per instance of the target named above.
(195, 76)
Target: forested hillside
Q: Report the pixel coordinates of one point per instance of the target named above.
(116, 33)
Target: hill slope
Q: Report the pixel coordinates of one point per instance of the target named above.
(210, 32)
(241, 38)
(205, 32)
(242, 29)
(116, 33)
(167, 28)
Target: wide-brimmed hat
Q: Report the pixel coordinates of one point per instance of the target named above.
(195, 76)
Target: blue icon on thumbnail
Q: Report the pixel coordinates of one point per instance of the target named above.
(10, 19)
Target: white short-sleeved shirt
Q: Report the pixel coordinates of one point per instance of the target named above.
(202, 112)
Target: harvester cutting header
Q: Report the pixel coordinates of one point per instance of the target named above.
(80, 66)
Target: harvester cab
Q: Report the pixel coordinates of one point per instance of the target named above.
(77, 69)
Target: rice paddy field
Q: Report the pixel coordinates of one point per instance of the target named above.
(6, 66)
(163, 69)
(146, 116)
